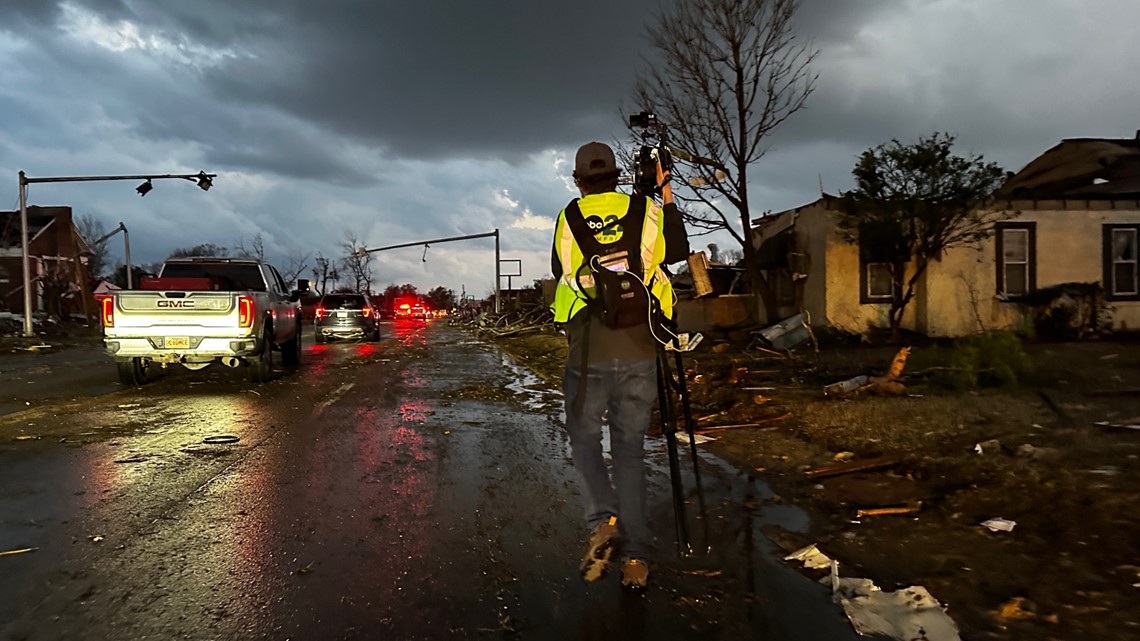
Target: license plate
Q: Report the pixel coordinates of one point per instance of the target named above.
(178, 342)
(341, 314)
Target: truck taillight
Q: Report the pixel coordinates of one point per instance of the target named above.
(320, 311)
(108, 306)
(367, 312)
(245, 311)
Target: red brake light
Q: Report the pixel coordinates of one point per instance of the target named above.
(367, 312)
(245, 311)
(108, 304)
(320, 311)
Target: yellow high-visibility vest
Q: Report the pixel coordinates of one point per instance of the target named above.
(607, 207)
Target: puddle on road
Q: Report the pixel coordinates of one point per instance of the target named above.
(531, 391)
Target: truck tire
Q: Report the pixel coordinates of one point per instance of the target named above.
(376, 335)
(261, 368)
(291, 350)
(132, 372)
(319, 337)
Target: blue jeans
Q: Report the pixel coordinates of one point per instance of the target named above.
(627, 390)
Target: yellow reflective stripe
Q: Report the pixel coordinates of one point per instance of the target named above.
(649, 233)
(566, 250)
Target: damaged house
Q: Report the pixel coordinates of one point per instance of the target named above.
(57, 258)
(1067, 249)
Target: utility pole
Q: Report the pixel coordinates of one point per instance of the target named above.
(204, 180)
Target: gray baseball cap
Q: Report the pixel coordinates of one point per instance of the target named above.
(594, 159)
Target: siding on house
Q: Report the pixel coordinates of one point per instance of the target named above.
(958, 294)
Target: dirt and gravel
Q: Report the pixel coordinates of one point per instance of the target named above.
(1051, 454)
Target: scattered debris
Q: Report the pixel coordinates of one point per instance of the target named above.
(19, 551)
(1130, 424)
(909, 614)
(858, 466)
(788, 334)
(843, 456)
(1017, 608)
(999, 525)
(765, 422)
(811, 557)
(683, 437)
(27, 437)
(127, 406)
(848, 386)
(991, 446)
(96, 538)
(910, 508)
(137, 458)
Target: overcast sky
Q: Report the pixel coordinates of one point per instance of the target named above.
(408, 121)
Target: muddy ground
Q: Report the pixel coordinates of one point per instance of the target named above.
(1069, 568)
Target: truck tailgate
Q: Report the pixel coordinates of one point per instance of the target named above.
(194, 313)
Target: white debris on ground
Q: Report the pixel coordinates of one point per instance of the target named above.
(909, 614)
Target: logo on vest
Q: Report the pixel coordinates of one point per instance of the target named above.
(605, 231)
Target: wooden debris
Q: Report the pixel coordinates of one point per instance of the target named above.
(764, 422)
(909, 508)
(20, 551)
(858, 466)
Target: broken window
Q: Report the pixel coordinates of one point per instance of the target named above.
(1016, 259)
(1121, 277)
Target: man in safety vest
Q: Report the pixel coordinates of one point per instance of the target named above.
(613, 343)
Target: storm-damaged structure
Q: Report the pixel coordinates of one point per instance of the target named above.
(1064, 258)
(57, 256)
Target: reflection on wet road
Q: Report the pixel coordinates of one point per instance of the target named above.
(363, 498)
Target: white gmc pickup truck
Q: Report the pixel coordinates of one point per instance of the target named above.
(204, 310)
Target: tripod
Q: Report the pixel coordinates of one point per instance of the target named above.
(670, 387)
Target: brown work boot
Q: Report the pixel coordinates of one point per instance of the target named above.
(603, 540)
(634, 574)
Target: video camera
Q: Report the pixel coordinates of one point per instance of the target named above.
(652, 152)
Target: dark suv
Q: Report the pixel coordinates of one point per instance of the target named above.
(345, 316)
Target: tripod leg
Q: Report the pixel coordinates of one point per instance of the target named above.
(687, 413)
(669, 428)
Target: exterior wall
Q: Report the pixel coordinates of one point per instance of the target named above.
(56, 239)
(958, 294)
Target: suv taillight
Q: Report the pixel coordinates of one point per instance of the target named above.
(320, 311)
(245, 311)
(108, 306)
(367, 312)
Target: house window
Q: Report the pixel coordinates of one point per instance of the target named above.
(1121, 276)
(875, 283)
(1016, 259)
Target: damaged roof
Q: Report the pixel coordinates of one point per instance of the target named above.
(1086, 168)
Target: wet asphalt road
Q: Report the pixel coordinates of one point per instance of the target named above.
(381, 491)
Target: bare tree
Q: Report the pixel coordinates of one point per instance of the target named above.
(298, 263)
(725, 74)
(92, 229)
(255, 249)
(358, 265)
(324, 271)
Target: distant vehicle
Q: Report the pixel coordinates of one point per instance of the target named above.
(412, 311)
(201, 310)
(345, 316)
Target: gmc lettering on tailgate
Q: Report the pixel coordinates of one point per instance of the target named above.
(174, 303)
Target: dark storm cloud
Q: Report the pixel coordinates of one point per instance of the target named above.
(434, 79)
